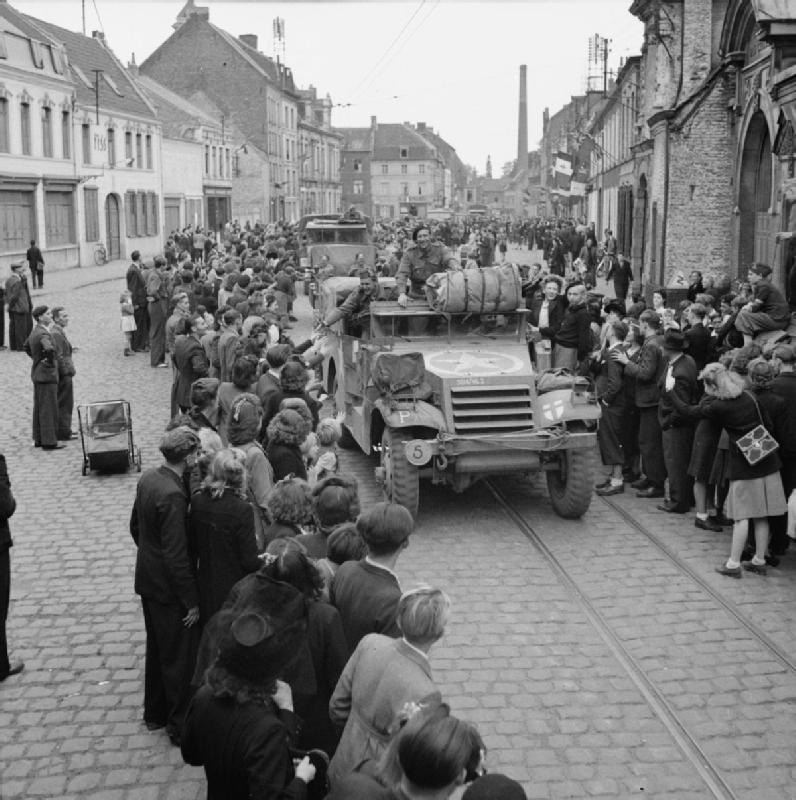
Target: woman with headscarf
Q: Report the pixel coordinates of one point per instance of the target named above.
(245, 419)
(755, 491)
(240, 722)
(221, 536)
(286, 433)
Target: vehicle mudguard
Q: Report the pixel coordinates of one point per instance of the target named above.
(563, 405)
(411, 414)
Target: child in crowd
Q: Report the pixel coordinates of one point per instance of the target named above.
(327, 434)
(128, 320)
(290, 508)
(344, 544)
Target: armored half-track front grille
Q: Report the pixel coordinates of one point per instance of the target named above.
(491, 409)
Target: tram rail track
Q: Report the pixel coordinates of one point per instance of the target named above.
(712, 776)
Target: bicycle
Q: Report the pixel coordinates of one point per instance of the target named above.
(100, 254)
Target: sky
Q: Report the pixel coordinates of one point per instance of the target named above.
(452, 64)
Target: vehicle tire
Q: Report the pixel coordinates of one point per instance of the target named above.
(347, 441)
(401, 479)
(571, 486)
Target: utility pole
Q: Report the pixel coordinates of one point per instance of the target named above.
(83, 8)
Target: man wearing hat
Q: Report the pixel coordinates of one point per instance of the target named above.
(165, 582)
(420, 261)
(768, 311)
(20, 321)
(677, 432)
(44, 374)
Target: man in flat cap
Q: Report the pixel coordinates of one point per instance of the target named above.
(20, 322)
(44, 374)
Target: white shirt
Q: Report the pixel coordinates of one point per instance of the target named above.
(544, 314)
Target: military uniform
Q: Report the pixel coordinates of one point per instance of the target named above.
(418, 265)
(355, 307)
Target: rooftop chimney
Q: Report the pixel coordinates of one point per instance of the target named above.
(98, 35)
(373, 123)
(522, 128)
(249, 39)
(421, 127)
(132, 67)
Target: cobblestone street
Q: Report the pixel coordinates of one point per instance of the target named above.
(591, 661)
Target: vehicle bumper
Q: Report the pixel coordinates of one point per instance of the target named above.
(495, 454)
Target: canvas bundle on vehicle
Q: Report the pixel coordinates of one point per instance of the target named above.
(487, 290)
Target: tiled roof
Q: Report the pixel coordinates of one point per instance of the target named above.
(19, 22)
(175, 113)
(89, 54)
(391, 137)
(356, 138)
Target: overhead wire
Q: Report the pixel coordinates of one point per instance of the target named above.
(367, 77)
(99, 19)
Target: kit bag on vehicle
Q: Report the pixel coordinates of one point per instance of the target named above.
(400, 373)
(552, 379)
(485, 290)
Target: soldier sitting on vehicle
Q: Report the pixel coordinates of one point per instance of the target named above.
(356, 307)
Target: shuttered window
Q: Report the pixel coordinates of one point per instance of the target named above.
(129, 213)
(152, 214)
(24, 124)
(140, 217)
(59, 217)
(47, 132)
(85, 131)
(17, 219)
(91, 201)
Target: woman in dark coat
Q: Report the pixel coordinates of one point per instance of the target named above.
(293, 380)
(221, 536)
(287, 561)
(755, 490)
(286, 433)
(240, 723)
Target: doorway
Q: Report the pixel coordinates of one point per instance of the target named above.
(757, 225)
(113, 237)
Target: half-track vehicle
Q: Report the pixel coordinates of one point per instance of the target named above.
(452, 398)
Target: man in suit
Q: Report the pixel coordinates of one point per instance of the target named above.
(35, 264)
(647, 372)
(136, 285)
(165, 582)
(697, 335)
(677, 432)
(622, 274)
(44, 374)
(366, 592)
(7, 507)
(767, 311)
(190, 361)
(20, 321)
(609, 387)
(66, 371)
(157, 290)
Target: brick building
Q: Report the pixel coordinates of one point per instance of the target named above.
(257, 98)
(714, 167)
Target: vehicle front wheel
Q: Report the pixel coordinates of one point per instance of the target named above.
(570, 486)
(401, 479)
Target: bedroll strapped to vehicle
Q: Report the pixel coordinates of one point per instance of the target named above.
(400, 373)
(552, 379)
(485, 290)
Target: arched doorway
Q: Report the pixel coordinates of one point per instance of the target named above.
(113, 237)
(756, 233)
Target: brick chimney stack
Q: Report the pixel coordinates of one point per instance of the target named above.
(522, 128)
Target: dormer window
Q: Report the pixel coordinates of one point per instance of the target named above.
(404, 152)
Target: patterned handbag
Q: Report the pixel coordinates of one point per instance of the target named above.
(758, 443)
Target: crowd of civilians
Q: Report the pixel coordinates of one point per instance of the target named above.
(282, 654)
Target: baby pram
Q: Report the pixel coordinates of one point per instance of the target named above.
(106, 434)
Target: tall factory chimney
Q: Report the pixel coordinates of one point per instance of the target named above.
(522, 127)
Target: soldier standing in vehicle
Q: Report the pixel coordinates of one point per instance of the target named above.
(421, 260)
